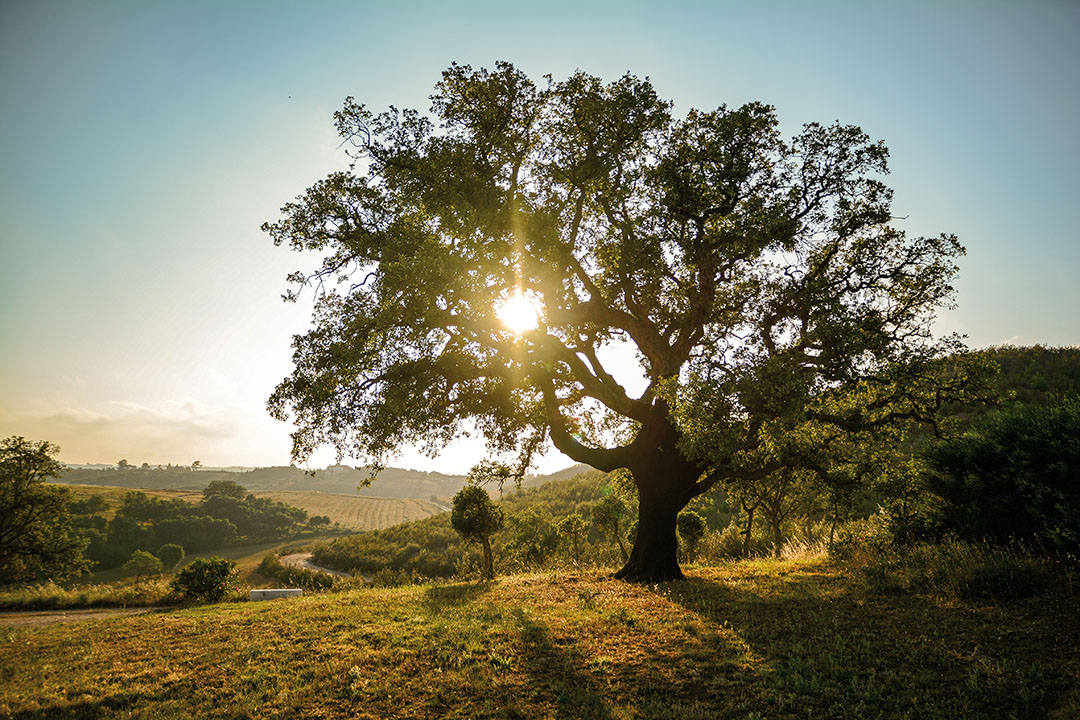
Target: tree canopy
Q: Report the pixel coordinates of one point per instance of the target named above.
(477, 260)
(36, 535)
(1015, 475)
(475, 517)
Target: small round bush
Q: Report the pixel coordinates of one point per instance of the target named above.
(170, 555)
(206, 579)
(691, 528)
(142, 563)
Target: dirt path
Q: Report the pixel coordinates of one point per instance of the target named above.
(37, 618)
(303, 561)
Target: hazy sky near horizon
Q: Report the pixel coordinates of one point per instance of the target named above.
(142, 144)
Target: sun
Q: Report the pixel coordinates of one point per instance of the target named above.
(518, 313)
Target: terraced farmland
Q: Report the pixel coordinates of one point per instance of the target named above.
(355, 512)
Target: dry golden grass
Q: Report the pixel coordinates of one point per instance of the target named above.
(775, 639)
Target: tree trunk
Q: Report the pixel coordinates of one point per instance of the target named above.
(621, 542)
(489, 562)
(832, 527)
(653, 558)
(749, 529)
(665, 481)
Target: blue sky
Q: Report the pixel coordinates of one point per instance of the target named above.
(143, 143)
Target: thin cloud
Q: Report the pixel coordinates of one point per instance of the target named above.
(178, 431)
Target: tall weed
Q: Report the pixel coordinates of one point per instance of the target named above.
(960, 570)
(51, 596)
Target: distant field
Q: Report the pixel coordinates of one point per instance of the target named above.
(353, 512)
(113, 496)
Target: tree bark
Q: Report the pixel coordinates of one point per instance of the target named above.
(666, 483)
(749, 530)
(653, 558)
(489, 562)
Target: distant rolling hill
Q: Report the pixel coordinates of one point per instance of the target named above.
(338, 479)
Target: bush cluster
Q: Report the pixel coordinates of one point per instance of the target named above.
(206, 580)
(271, 567)
(1014, 476)
(951, 568)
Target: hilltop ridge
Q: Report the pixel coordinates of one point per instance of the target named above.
(391, 483)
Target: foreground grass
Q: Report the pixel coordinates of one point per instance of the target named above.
(777, 639)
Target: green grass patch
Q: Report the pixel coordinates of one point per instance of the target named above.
(768, 639)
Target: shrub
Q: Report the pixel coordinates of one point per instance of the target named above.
(293, 576)
(1014, 476)
(170, 555)
(143, 592)
(730, 544)
(389, 577)
(532, 538)
(206, 579)
(959, 570)
(142, 563)
(691, 528)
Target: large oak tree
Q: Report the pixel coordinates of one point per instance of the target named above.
(771, 303)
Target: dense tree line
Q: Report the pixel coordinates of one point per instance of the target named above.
(226, 513)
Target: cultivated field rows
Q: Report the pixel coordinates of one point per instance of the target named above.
(353, 512)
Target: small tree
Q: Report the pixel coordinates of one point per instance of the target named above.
(532, 538)
(36, 535)
(225, 488)
(170, 555)
(691, 527)
(476, 518)
(207, 579)
(573, 528)
(608, 514)
(142, 563)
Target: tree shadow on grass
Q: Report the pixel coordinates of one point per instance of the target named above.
(92, 710)
(558, 669)
(525, 645)
(438, 597)
(816, 644)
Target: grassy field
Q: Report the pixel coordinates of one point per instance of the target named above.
(352, 512)
(765, 639)
(114, 495)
